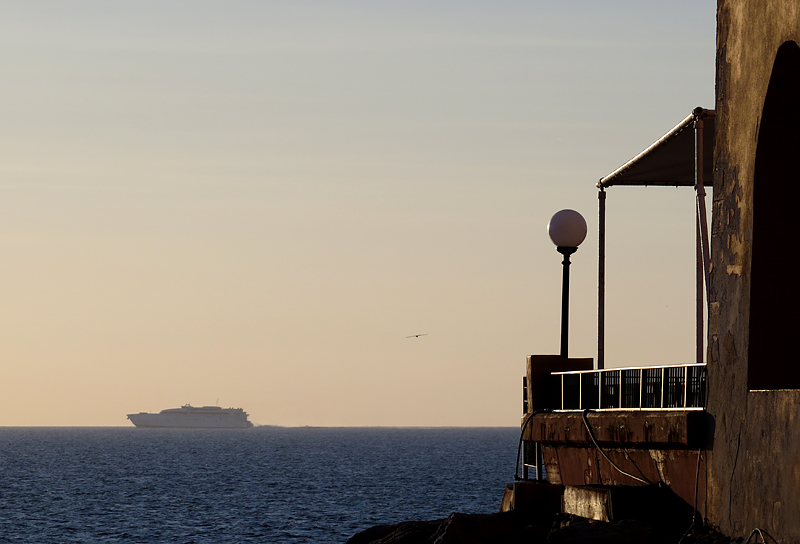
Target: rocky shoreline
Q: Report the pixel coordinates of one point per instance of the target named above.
(514, 528)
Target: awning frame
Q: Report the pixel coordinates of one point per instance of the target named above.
(702, 249)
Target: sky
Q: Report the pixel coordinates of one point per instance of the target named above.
(254, 203)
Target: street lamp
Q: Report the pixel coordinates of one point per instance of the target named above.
(567, 229)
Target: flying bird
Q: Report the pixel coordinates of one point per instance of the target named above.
(417, 335)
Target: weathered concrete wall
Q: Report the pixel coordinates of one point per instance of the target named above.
(652, 429)
(754, 468)
(677, 468)
(654, 446)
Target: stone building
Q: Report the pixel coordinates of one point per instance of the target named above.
(754, 372)
(725, 437)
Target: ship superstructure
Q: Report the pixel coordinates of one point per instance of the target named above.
(188, 416)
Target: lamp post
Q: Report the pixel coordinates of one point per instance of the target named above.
(567, 229)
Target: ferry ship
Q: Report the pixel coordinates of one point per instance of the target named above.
(191, 417)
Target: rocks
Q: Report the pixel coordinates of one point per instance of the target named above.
(505, 527)
(511, 528)
(408, 532)
(575, 530)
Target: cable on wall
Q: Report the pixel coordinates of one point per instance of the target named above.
(603, 453)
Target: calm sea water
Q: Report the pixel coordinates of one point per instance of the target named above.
(276, 485)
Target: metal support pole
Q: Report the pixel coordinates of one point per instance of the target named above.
(601, 281)
(704, 253)
(699, 302)
(566, 252)
(539, 462)
(701, 201)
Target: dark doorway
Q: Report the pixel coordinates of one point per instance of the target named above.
(774, 356)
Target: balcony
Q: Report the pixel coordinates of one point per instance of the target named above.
(649, 420)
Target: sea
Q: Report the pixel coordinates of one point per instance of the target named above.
(266, 484)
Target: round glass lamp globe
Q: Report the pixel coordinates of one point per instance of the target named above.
(567, 228)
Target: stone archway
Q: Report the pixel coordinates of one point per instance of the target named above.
(774, 354)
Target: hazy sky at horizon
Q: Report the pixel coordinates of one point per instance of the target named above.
(257, 202)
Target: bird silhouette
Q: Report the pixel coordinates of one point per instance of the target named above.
(417, 335)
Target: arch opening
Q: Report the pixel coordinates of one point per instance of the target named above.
(774, 357)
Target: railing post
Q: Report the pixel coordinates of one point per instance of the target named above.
(599, 389)
(524, 395)
(662, 386)
(685, 385)
(641, 387)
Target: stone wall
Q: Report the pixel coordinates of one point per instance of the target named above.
(754, 374)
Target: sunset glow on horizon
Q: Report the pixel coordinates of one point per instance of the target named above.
(264, 202)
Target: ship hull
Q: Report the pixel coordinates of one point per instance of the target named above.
(193, 418)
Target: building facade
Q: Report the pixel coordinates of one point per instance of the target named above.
(724, 436)
(754, 374)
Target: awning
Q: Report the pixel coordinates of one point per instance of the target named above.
(684, 156)
(670, 160)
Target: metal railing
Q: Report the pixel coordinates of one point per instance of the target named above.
(680, 387)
